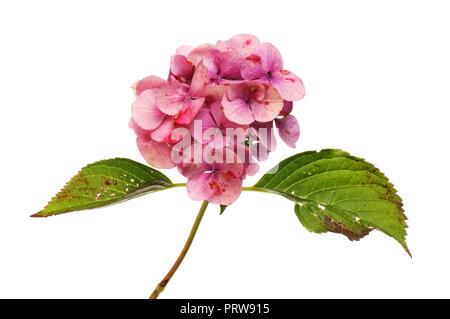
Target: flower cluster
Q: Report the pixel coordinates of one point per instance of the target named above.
(214, 117)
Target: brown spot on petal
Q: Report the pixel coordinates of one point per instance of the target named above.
(254, 58)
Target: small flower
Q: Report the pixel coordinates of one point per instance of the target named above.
(266, 65)
(216, 179)
(251, 101)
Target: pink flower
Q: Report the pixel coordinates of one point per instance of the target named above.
(266, 65)
(174, 99)
(215, 129)
(215, 179)
(147, 115)
(251, 101)
(214, 116)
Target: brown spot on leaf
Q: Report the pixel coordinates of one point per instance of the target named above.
(339, 227)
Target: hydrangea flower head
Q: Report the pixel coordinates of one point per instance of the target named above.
(213, 118)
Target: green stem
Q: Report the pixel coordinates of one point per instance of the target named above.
(254, 189)
(177, 185)
(183, 253)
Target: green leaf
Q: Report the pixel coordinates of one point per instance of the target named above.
(340, 193)
(222, 209)
(104, 183)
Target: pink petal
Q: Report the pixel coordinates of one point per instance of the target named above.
(192, 170)
(216, 140)
(156, 154)
(263, 133)
(288, 129)
(214, 92)
(164, 132)
(189, 111)
(237, 111)
(170, 97)
(139, 131)
(287, 108)
(149, 82)
(181, 68)
(145, 111)
(289, 85)
(200, 80)
(269, 108)
(226, 160)
(222, 186)
(251, 169)
(270, 56)
(252, 68)
(202, 122)
(263, 63)
(199, 188)
(245, 44)
(238, 91)
(225, 189)
(229, 64)
(206, 53)
(184, 50)
(221, 120)
(259, 151)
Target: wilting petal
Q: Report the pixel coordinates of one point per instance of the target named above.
(289, 85)
(170, 97)
(144, 135)
(145, 111)
(189, 111)
(269, 108)
(287, 108)
(225, 188)
(149, 82)
(156, 154)
(237, 111)
(184, 50)
(288, 129)
(229, 64)
(200, 80)
(181, 67)
(164, 132)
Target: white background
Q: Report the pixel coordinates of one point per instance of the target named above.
(377, 79)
